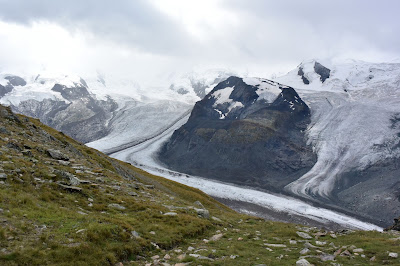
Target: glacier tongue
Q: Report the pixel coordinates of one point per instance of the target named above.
(352, 122)
(344, 133)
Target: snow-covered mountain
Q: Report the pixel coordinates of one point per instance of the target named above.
(111, 112)
(198, 83)
(247, 131)
(62, 102)
(355, 132)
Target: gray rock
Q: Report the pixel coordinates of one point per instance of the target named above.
(203, 213)
(216, 237)
(3, 130)
(65, 163)
(72, 179)
(27, 153)
(322, 71)
(71, 188)
(14, 146)
(393, 255)
(308, 245)
(304, 251)
(58, 155)
(216, 219)
(135, 234)
(170, 214)
(303, 235)
(116, 206)
(3, 176)
(15, 80)
(275, 245)
(327, 257)
(133, 194)
(198, 203)
(345, 253)
(358, 250)
(200, 257)
(302, 262)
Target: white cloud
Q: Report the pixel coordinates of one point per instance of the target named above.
(145, 40)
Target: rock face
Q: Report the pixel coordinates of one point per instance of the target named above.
(323, 72)
(302, 75)
(246, 131)
(79, 114)
(395, 226)
(12, 82)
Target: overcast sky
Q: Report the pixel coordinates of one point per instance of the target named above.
(146, 39)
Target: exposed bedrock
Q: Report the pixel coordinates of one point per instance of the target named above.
(245, 131)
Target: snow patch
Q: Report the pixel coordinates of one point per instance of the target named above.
(222, 96)
(267, 90)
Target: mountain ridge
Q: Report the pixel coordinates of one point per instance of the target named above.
(248, 119)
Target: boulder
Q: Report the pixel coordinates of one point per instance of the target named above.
(116, 206)
(303, 235)
(303, 262)
(203, 213)
(57, 155)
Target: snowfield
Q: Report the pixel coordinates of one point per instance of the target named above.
(351, 114)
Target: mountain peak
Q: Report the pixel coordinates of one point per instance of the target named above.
(241, 131)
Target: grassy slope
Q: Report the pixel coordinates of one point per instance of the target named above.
(43, 224)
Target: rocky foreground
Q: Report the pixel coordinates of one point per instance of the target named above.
(62, 203)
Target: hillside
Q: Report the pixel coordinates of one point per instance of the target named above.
(62, 203)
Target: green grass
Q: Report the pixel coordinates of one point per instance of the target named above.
(43, 224)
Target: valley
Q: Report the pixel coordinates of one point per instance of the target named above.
(352, 131)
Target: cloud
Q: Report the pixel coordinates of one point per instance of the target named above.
(134, 23)
(145, 38)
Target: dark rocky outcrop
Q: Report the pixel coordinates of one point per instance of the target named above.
(256, 143)
(16, 81)
(4, 90)
(395, 226)
(322, 71)
(12, 82)
(71, 93)
(301, 74)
